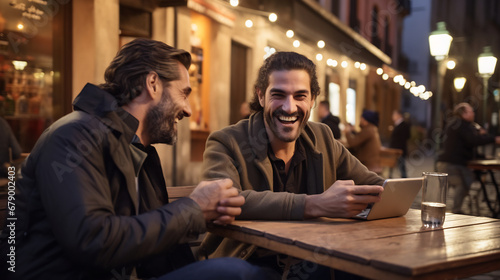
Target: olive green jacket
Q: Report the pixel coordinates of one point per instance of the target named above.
(239, 152)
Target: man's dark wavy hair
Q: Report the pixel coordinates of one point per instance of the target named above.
(126, 75)
(283, 61)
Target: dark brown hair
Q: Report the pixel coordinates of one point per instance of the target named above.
(283, 61)
(126, 75)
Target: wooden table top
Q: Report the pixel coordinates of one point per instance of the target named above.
(483, 164)
(395, 248)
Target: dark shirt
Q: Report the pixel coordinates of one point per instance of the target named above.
(333, 122)
(296, 179)
(459, 140)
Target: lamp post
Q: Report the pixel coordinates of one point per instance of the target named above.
(486, 63)
(439, 43)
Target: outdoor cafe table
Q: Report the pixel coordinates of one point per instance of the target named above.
(491, 198)
(394, 248)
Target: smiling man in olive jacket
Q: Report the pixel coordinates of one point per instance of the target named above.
(92, 201)
(287, 167)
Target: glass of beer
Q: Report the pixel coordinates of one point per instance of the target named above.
(435, 186)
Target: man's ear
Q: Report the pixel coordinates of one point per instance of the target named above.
(261, 96)
(152, 84)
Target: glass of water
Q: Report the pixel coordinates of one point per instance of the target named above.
(434, 190)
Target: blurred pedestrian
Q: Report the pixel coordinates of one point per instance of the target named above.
(399, 140)
(461, 137)
(327, 118)
(365, 144)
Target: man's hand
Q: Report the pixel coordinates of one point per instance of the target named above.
(342, 200)
(218, 200)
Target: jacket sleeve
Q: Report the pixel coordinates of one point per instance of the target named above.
(473, 138)
(75, 192)
(350, 168)
(225, 157)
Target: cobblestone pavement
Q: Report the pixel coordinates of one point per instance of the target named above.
(475, 206)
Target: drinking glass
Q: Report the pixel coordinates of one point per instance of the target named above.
(434, 188)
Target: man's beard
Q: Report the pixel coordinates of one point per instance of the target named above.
(272, 121)
(160, 122)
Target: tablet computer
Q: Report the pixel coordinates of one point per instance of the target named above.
(396, 199)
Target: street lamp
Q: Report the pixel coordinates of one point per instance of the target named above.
(486, 63)
(439, 43)
(459, 83)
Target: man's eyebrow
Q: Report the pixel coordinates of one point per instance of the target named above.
(278, 90)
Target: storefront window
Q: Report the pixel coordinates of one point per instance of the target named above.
(26, 68)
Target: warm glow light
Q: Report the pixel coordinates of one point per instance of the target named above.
(413, 83)
(344, 64)
(459, 83)
(273, 17)
(319, 57)
(19, 64)
(407, 85)
(332, 62)
(362, 66)
(414, 91)
(486, 62)
(289, 33)
(194, 27)
(248, 23)
(380, 71)
(20, 26)
(440, 41)
(402, 81)
(421, 88)
(234, 3)
(321, 44)
(296, 43)
(385, 76)
(451, 64)
(357, 64)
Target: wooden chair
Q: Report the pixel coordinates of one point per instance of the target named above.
(389, 157)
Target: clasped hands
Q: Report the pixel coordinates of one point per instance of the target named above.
(219, 200)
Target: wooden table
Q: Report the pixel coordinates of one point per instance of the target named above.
(395, 248)
(488, 166)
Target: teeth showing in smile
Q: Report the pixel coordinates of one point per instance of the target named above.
(287, 119)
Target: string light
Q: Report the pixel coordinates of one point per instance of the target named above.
(398, 79)
(273, 17)
(20, 26)
(451, 64)
(249, 23)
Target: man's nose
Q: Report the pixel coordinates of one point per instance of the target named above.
(187, 108)
(289, 105)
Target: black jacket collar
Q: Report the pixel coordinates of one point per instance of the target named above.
(97, 102)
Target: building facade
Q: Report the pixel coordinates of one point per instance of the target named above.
(65, 44)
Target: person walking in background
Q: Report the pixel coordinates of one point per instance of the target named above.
(460, 139)
(365, 144)
(399, 140)
(327, 118)
(9, 147)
